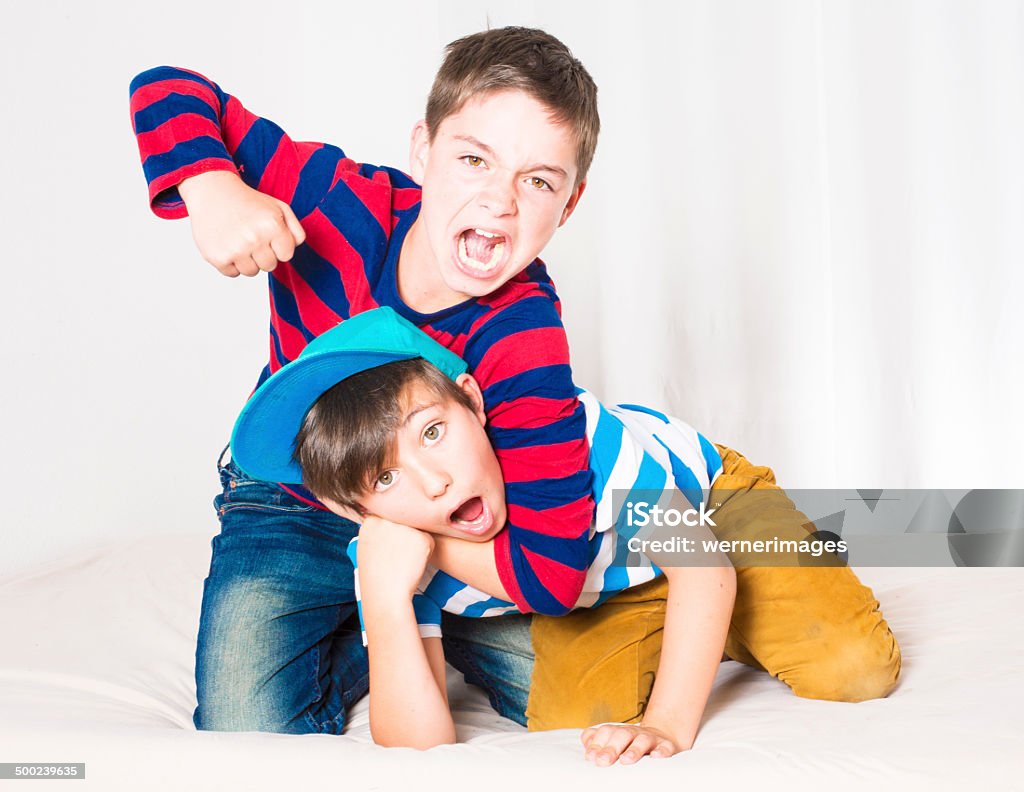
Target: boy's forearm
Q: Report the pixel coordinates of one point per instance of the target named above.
(194, 188)
(408, 697)
(470, 562)
(697, 617)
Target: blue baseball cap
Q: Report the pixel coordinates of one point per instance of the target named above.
(263, 439)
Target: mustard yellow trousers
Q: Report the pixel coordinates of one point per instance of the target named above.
(816, 628)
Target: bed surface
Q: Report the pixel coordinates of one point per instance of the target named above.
(97, 661)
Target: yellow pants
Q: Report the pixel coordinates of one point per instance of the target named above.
(818, 629)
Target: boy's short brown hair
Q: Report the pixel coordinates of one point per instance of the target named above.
(523, 59)
(347, 437)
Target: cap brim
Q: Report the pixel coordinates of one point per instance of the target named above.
(263, 440)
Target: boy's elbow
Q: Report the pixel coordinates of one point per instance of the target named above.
(553, 603)
(160, 73)
(719, 578)
(551, 610)
(419, 742)
(148, 76)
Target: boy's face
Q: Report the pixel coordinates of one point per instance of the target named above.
(446, 479)
(498, 180)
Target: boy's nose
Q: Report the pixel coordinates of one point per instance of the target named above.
(499, 196)
(435, 482)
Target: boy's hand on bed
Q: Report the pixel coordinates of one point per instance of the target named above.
(239, 230)
(626, 743)
(391, 558)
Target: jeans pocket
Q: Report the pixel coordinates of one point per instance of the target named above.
(242, 492)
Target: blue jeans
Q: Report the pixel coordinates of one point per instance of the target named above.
(279, 644)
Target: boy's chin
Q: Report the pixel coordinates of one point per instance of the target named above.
(468, 285)
(468, 537)
(471, 535)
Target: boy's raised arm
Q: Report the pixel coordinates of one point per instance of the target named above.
(236, 174)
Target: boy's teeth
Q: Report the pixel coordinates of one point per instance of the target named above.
(487, 234)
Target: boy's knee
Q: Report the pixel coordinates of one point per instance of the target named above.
(245, 713)
(739, 473)
(852, 670)
(248, 664)
(232, 698)
(236, 693)
(597, 665)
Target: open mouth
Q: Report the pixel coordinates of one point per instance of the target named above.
(472, 517)
(481, 252)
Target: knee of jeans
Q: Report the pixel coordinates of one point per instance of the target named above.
(856, 670)
(495, 654)
(251, 672)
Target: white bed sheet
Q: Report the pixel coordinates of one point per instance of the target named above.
(97, 661)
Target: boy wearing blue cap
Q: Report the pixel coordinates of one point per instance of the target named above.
(383, 423)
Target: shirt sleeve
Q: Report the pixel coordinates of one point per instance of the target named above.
(427, 611)
(537, 426)
(186, 125)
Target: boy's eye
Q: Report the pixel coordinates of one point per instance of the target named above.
(539, 183)
(473, 161)
(384, 480)
(433, 432)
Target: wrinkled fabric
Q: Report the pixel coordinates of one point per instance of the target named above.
(815, 627)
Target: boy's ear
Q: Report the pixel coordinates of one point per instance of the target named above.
(419, 150)
(574, 199)
(472, 388)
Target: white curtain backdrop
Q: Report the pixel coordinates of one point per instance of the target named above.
(809, 234)
(802, 234)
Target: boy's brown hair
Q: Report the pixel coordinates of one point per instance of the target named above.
(347, 438)
(523, 59)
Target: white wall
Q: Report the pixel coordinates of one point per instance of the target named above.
(802, 234)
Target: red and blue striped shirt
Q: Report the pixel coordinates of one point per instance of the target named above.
(356, 217)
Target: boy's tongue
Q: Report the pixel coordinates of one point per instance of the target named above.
(479, 247)
(469, 511)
